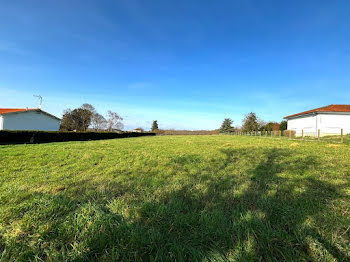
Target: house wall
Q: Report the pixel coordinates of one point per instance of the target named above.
(328, 123)
(331, 124)
(306, 123)
(1, 121)
(31, 120)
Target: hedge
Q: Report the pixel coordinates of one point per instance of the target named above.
(23, 137)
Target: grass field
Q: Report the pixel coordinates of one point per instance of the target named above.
(178, 198)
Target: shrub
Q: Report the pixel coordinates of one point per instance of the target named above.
(22, 137)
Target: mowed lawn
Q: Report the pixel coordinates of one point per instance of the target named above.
(175, 198)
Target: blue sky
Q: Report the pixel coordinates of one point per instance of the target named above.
(188, 64)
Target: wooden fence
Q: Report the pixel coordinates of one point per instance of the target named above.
(289, 134)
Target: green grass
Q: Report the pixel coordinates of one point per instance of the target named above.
(179, 198)
(328, 139)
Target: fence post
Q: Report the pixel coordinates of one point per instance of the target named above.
(280, 133)
(302, 134)
(318, 134)
(342, 136)
(290, 134)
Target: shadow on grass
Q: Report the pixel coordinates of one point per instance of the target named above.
(269, 217)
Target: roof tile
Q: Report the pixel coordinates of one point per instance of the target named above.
(330, 108)
(12, 110)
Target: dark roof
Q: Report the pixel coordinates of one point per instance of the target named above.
(4, 111)
(330, 108)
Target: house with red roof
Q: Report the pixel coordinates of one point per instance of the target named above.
(28, 119)
(330, 120)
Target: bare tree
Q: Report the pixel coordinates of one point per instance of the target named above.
(98, 121)
(114, 121)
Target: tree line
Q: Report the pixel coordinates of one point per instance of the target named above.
(252, 123)
(80, 119)
(86, 117)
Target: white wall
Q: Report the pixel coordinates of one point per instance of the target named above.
(333, 123)
(306, 123)
(30, 120)
(1, 119)
(328, 123)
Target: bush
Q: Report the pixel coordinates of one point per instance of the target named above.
(23, 137)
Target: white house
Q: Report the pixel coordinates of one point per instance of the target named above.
(28, 119)
(138, 130)
(328, 119)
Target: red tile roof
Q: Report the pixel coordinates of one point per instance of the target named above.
(12, 110)
(330, 108)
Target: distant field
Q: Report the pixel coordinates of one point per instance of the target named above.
(175, 198)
